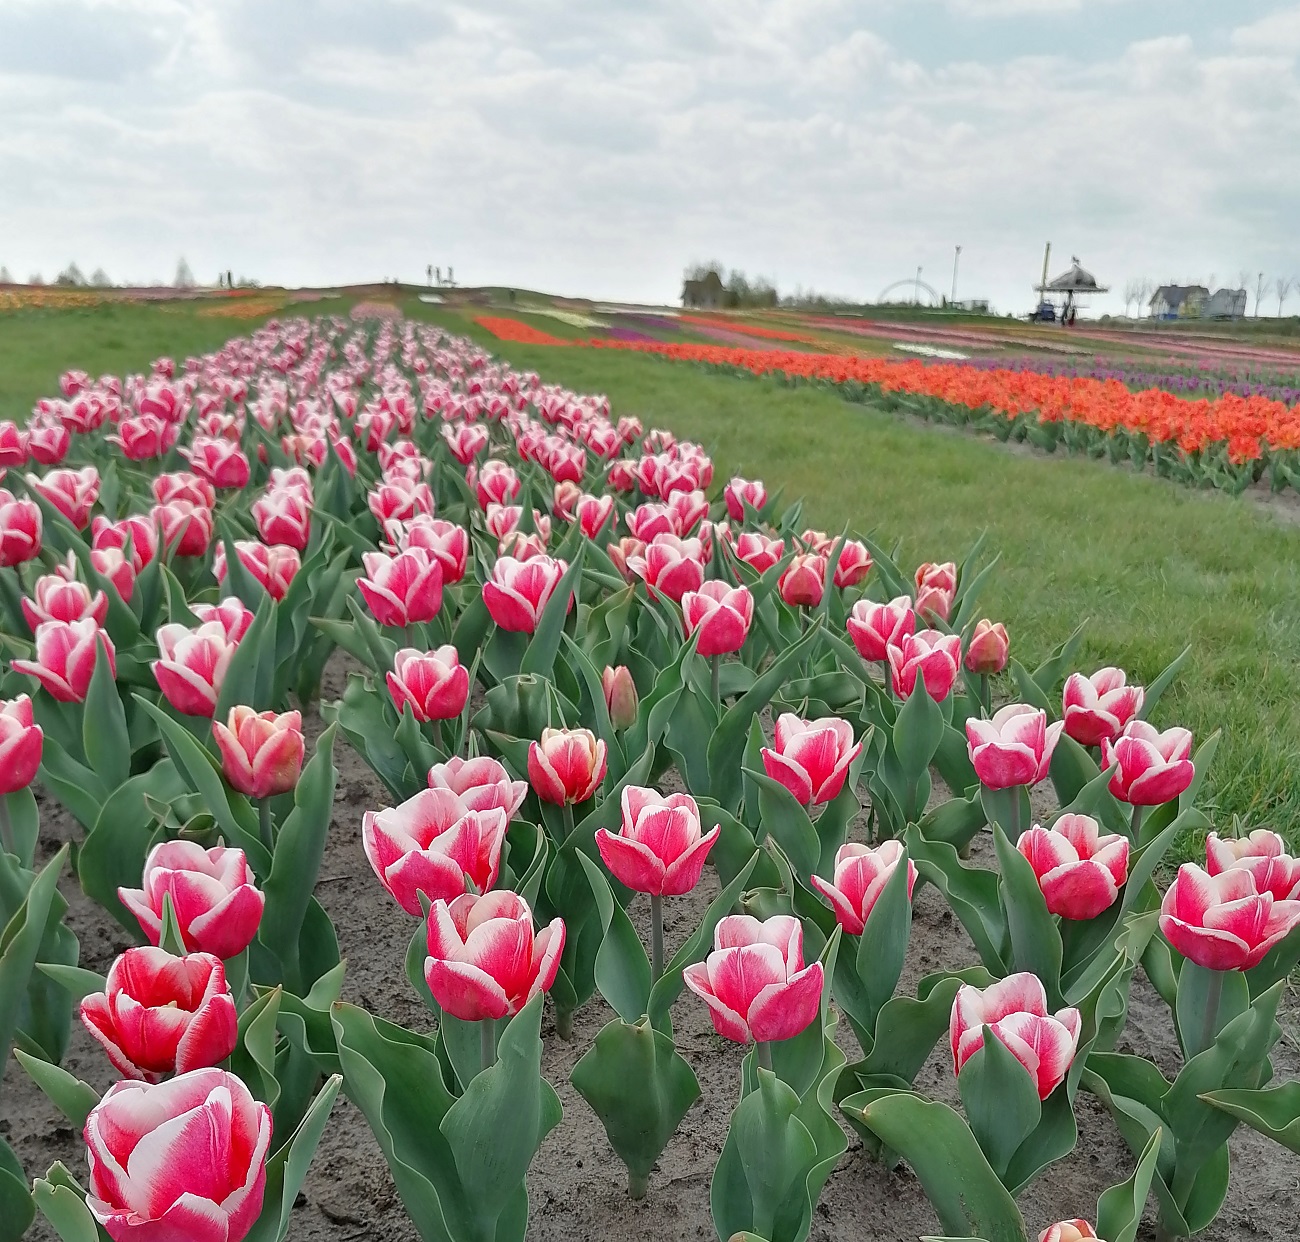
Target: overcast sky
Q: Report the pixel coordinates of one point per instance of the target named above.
(595, 147)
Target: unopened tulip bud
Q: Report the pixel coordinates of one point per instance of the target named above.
(620, 696)
(988, 648)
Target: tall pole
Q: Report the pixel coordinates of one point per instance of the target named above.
(916, 296)
(1042, 285)
(1259, 294)
(956, 258)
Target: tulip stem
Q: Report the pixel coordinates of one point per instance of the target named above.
(765, 1055)
(637, 1185)
(1213, 998)
(1013, 815)
(1135, 824)
(487, 1034)
(656, 935)
(715, 674)
(7, 841)
(413, 637)
(264, 823)
(986, 698)
(568, 820)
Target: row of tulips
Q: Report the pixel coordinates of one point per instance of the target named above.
(551, 615)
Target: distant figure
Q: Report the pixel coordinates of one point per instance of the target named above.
(429, 273)
(1073, 312)
(230, 279)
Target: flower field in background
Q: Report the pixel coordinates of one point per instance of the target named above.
(505, 329)
(585, 668)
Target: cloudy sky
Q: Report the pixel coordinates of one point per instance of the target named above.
(595, 147)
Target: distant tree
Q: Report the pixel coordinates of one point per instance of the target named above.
(1132, 293)
(71, 275)
(5, 277)
(698, 271)
(184, 276)
(1283, 287)
(100, 279)
(1243, 279)
(1261, 292)
(36, 279)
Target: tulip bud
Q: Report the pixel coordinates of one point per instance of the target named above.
(1068, 1231)
(988, 649)
(567, 765)
(261, 753)
(620, 696)
(21, 743)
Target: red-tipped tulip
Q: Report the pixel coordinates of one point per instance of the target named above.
(987, 651)
(874, 628)
(1148, 767)
(660, 848)
(482, 784)
(669, 566)
(496, 483)
(284, 516)
(758, 551)
(811, 758)
(66, 652)
(1079, 869)
(72, 492)
(854, 563)
(20, 530)
(21, 744)
(183, 485)
(722, 615)
(1014, 748)
(1068, 1231)
(217, 903)
(160, 1014)
(230, 614)
(184, 527)
(446, 542)
(1223, 922)
(434, 683)
(755, 982)
(111, 563)
(860, 877)
(931, 653)
(1015, 1009)
(136, 534)
(432, 844)
(191, 666)
(740, 492)
(803, 583)
(261, 752)
(1099, 707)
(274, 566)
(620, 696)
(567, 765)
(221, 462)
(517, 593)
(592, 513)
(56, 598)
(402, 589)
(485, 960)
(178, 1161)
(1263, 854)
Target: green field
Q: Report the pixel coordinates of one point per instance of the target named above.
(1150, 565)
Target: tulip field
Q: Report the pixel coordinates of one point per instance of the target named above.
(439, 803)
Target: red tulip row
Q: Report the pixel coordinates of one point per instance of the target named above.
(428, 511)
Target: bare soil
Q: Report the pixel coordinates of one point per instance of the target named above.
(578, 1185)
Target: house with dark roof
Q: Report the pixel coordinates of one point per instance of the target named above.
(1178, 302)
(707, 293)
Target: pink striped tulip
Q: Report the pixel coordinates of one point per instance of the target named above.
(136, 536)
(874, 628)
(402, 589)
(178, 1160)
(433, 844)
(854, 563)
(56, 598)
(466, 440)
(860, 877)
(1079, 869)
(721, 614)
(567, 765)
(621, 700)
(72, 492)
(740, 492)
(593, 513)
(660, 847)
(758, 551)
(1014, 748)
(434, 684)
(1015, 1009)
(651, 519)
(400, 501)
(274, 566)
(48, 445)
(518, 591)
(803, 583)
(13, 445)
(1099, 707)
(66, 652)
(221, 462)
(191, 666)
(689, 509)
(111, 563)
(811, 758)
(485, 960)
(1224, 922)
(183, 527)
(624, 553)
(446, 542)
(929, 652)
(217, 903)
(145, 437)
(988, 649)
(184, 485)
(230, 614)
(283, 515)
(565, 498)
(1068, 1231)
(160, 1014)
(1148, 767)
(495, 483)
(261, 752)
(755, 982)
(1263, 854)
(20, 530)
(669, 566)
(21, 745)
(482, 784)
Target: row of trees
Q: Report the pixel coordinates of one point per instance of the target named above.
(72, 277)
(742, 290)
(1139, 290)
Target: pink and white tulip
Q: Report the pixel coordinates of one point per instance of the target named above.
(1079, 869)
(1099, 707)
(1014, 748)
(874, 628)
(482, 784)
(518, 591)
(935, 655)
(811, 758)
(191, 666)
(434, 684)
(20, 530)
(1223, 922)
(567, 765)
(66, 652)
(21, 744)
(1263, 854)
(660, 847)
(403, 589)
(261, 752)
(860, 877)
(721, 614)
(1148, 767)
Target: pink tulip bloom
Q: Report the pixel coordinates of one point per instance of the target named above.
(740, 492)
(1079, 869)
(186, 486)
(758, 551)
(231, 614)
(446, 542)
(755, 982)
(660, 848)
(434, 683)
(482, 784)
(274, 566)
(624, 552)
(13, 445)
(56, 598)
(567, 765)
(518, 591)
(567, 463)
(432, 844)
(21, 745)
(400, 501)
(988, 649)
(466, 440)
(688, 509)
(72, 492)
(283, 515)
(135, 536)
(669, 566)
(155, 1172)
(721, 614)
(1099, 707)
(261, 752)
(651, 519)
(1223, 922)
(1068, 1231)
(860, 877)
(934, 603)
(942, 576)
(566, 497)
(935, 655)
(111, 564)
(803, 583)
(1263, 854)
(48, 445)
(191, 666)
(20, 530)
(1149, 767)
(161, 1015)
(145, 437)
(217, 903)
(620, 476)
(485, 960)
(811, 758)
(1014, 748)
(184, 527)
(221, 462)
(66, 652)
(1015, 1009)
(874, 628)
(402, 589)
(854, 563)
(495, 483)
(621, 698)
